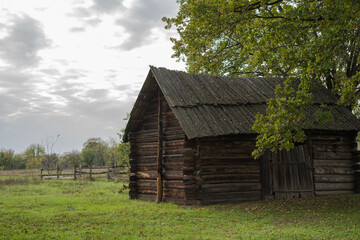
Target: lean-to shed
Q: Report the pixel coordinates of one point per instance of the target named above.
(191, 141)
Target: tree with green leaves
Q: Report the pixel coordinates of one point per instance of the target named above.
(88, 157)
(6, 157)
(314, 42)
(34, 155)
(99, 148)
(50, 161)
(70, 159)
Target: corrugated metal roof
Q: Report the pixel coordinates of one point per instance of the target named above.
(213, 106)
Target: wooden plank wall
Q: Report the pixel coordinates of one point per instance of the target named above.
(225, 171)
(333, 160)
(143, 152)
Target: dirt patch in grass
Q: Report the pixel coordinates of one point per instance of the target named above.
(25, 181)
(27, 172)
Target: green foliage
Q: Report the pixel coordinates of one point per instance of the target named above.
(316, 42)
(123, 150)
(70, 159)
(5, 159)
(88, 156)
(50, 161)
(98, 147)
(67, 209)
(34, 155)
(9, 160)
(282, 125)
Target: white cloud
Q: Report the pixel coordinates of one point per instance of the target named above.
(139, 22)
(107, 6)
(78, 86)
(23, 40)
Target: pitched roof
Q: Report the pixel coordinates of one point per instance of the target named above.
(213, 106)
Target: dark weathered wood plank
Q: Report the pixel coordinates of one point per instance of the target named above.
(334, 178)
(333, 170)
(334, 186)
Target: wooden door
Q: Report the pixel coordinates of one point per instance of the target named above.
(287, 174)
(292, 175)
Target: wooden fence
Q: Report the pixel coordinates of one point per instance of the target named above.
(85, 172)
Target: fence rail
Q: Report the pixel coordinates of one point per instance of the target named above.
(84, 172)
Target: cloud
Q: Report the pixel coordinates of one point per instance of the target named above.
(11, 78)
(77, 29)
(51, 71)
(93, 22)
(80, 12)
(25, 38)
(107, 6)
(139, 21)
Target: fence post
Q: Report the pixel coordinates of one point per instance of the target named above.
(57, 172)
(41, 173)
(91, 173)
(108, 172)
(74, 172)
(80, 171)
(357, 181)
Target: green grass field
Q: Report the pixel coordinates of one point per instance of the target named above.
(31, 208)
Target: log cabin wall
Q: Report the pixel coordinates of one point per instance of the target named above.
(224, 170)
(143, 155)
(333, 156)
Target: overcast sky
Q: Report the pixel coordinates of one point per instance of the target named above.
(74, 67)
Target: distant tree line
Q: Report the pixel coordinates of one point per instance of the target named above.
(95, 152)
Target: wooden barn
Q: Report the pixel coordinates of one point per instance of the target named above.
(191, 141)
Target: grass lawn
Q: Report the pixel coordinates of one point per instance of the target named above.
(31, 208)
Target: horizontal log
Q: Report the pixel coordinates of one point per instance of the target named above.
(333, 170)
(146, 197)
(334, 147)
(154, 144)
(176, 200)
(144, 159)
(136, 154)
(229, 139)
(94, 173)
(146, 191)
(225, 145)
(93, 168)
(334, 186)
(188, 170)
(146, 183)
(229, 178)
(333, 155)
(97, 173)
(173, 175)
(147, 167)
(340, 138)
(188, 178)
(172, 151)
(228, 200)
(230, 187)
(208, 161)
(176, 184)
(334, 178)
(169, 192)
(332, 163)
(206, 170)
(146, 175)
(191, 189)
(327, 193)
(226, 153)
(229, 195)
